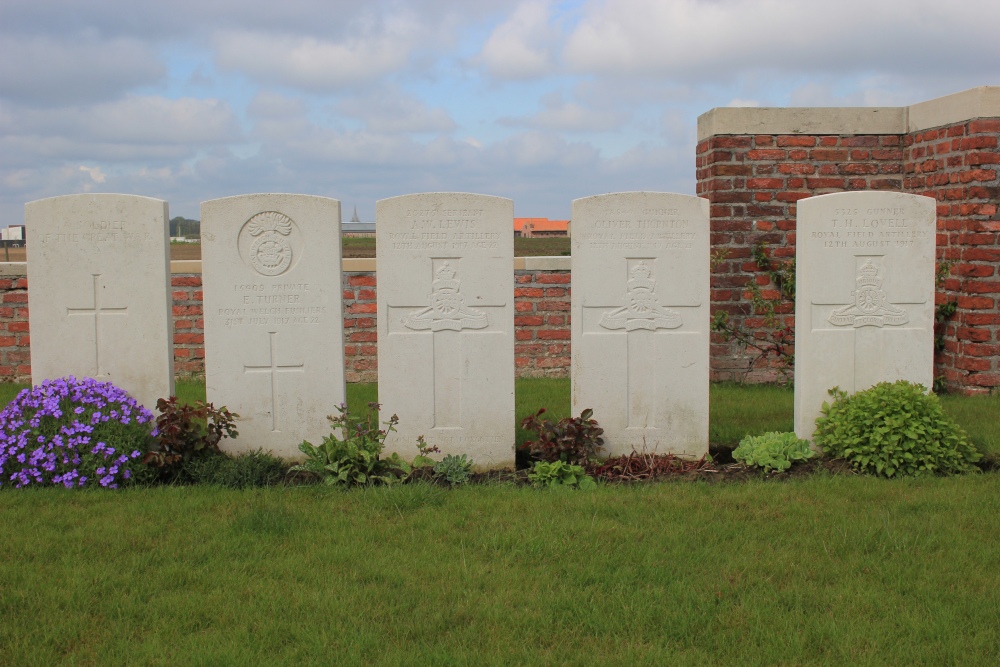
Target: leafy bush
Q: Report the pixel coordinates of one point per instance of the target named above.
(184, 432)
(244, 471)
(894, 429)
(572, 440)
(355, 457)
(558, 473)
(454, 469)
(72, 432)
(772, 451)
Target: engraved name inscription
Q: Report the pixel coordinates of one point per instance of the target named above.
(274, 304)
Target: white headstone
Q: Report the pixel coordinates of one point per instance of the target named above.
(864, 295)
(99, 292)
(445, 266)
(274, 326)
(640, 323)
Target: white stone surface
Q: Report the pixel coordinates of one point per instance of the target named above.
(864, 295)
(274, 326)
(446, 323)
(640, 320)
(99, 298)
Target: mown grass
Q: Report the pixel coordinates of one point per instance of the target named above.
(980, 417)
(825, 570)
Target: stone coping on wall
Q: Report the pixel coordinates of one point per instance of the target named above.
(981, 102)
(349, 265)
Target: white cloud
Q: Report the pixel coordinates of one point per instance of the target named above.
(95, 173)
(521, 47)
(74, 68)
(139, 120)
(562, 116)
(303, 61)
(390, 110)
(720, 39)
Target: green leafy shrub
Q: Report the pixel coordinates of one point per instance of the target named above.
(454, 469)
(356, 457)
(571, 440)
(559, 473)
(187, 431)
(772, 451)
(894, 429)
(244, 471)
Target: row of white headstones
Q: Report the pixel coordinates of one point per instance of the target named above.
(100, 306)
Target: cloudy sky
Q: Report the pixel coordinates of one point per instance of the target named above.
(539, 101)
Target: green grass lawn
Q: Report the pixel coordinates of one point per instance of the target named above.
(832, 570)
(824, 569)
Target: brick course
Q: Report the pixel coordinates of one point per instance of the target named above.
(541, 306)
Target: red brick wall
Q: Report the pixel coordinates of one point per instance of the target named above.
(958, 165)
(754, 181)
(541, 323)
(360, 331)
(15, 354)
(189, 326)
(542, 334)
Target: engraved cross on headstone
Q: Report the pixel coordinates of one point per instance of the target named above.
(273, 368)
(642, 320)
(447, 318)
(871, 317)
(98, 311)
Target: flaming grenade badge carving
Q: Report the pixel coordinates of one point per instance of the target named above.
(270, 253)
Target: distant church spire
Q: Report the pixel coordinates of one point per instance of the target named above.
(355, 218)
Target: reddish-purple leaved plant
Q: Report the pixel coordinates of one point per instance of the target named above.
(72, 432)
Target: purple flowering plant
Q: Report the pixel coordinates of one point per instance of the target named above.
(73, 432)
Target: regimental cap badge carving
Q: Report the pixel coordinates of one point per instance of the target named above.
(871, 308)
(445, 279)
(642, 310)
(640, 278)
(447, 309)
(270, 221)
(270, 254)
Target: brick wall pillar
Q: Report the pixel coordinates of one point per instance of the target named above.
(755, 164)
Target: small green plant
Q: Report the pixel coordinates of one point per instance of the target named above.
(943, 312)
(772, 451)
(454, 469)
(571, 440)
(423, 459)
(187, 431)
(894, 429)
(559, 473)
(356, 457)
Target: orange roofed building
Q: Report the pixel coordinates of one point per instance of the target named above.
(539, 227)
